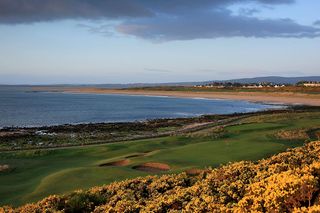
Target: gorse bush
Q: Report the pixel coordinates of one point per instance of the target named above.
(287, 182)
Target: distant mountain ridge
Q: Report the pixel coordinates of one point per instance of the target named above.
(271, 79)
(276, 79)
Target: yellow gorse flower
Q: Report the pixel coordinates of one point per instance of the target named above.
(287, 182)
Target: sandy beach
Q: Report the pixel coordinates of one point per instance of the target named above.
(266, 97)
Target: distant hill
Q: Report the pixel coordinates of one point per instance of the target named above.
(276, 79)
(272, 79)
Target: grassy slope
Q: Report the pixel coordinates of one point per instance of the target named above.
(40, 173)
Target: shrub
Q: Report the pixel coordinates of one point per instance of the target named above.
(287, 182)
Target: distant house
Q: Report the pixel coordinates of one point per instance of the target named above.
(211, 85)
(239, 85)
(252, 86)
(257, 85)
(44, 133)
(277, 86)
(311, 84)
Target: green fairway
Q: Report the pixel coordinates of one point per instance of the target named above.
(36, 174)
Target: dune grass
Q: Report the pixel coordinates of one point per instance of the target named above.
(39, 173)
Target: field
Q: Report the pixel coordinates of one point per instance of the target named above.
(34, 174)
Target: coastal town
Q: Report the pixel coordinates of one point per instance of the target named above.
(256, 85)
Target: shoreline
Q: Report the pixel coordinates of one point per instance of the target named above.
(277, 98)
(284, 107)
(188, 124)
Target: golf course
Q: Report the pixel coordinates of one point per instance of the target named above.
(33, 174)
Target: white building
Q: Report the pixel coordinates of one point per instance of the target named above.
(312, 84)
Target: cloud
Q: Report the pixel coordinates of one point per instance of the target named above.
(214, 24)
(248, 11)
(207, 71)
(158, 70)
(104, 29)
(28, 11)
(161, 20)
(317, 23)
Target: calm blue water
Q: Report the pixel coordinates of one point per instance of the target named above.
(18, 107)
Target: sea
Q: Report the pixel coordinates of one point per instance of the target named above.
(22, 107)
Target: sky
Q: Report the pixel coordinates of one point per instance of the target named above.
(137, 41)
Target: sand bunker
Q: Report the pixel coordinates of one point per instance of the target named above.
(194, 171)
(116, 163)
(152, 167)
(4, 168)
